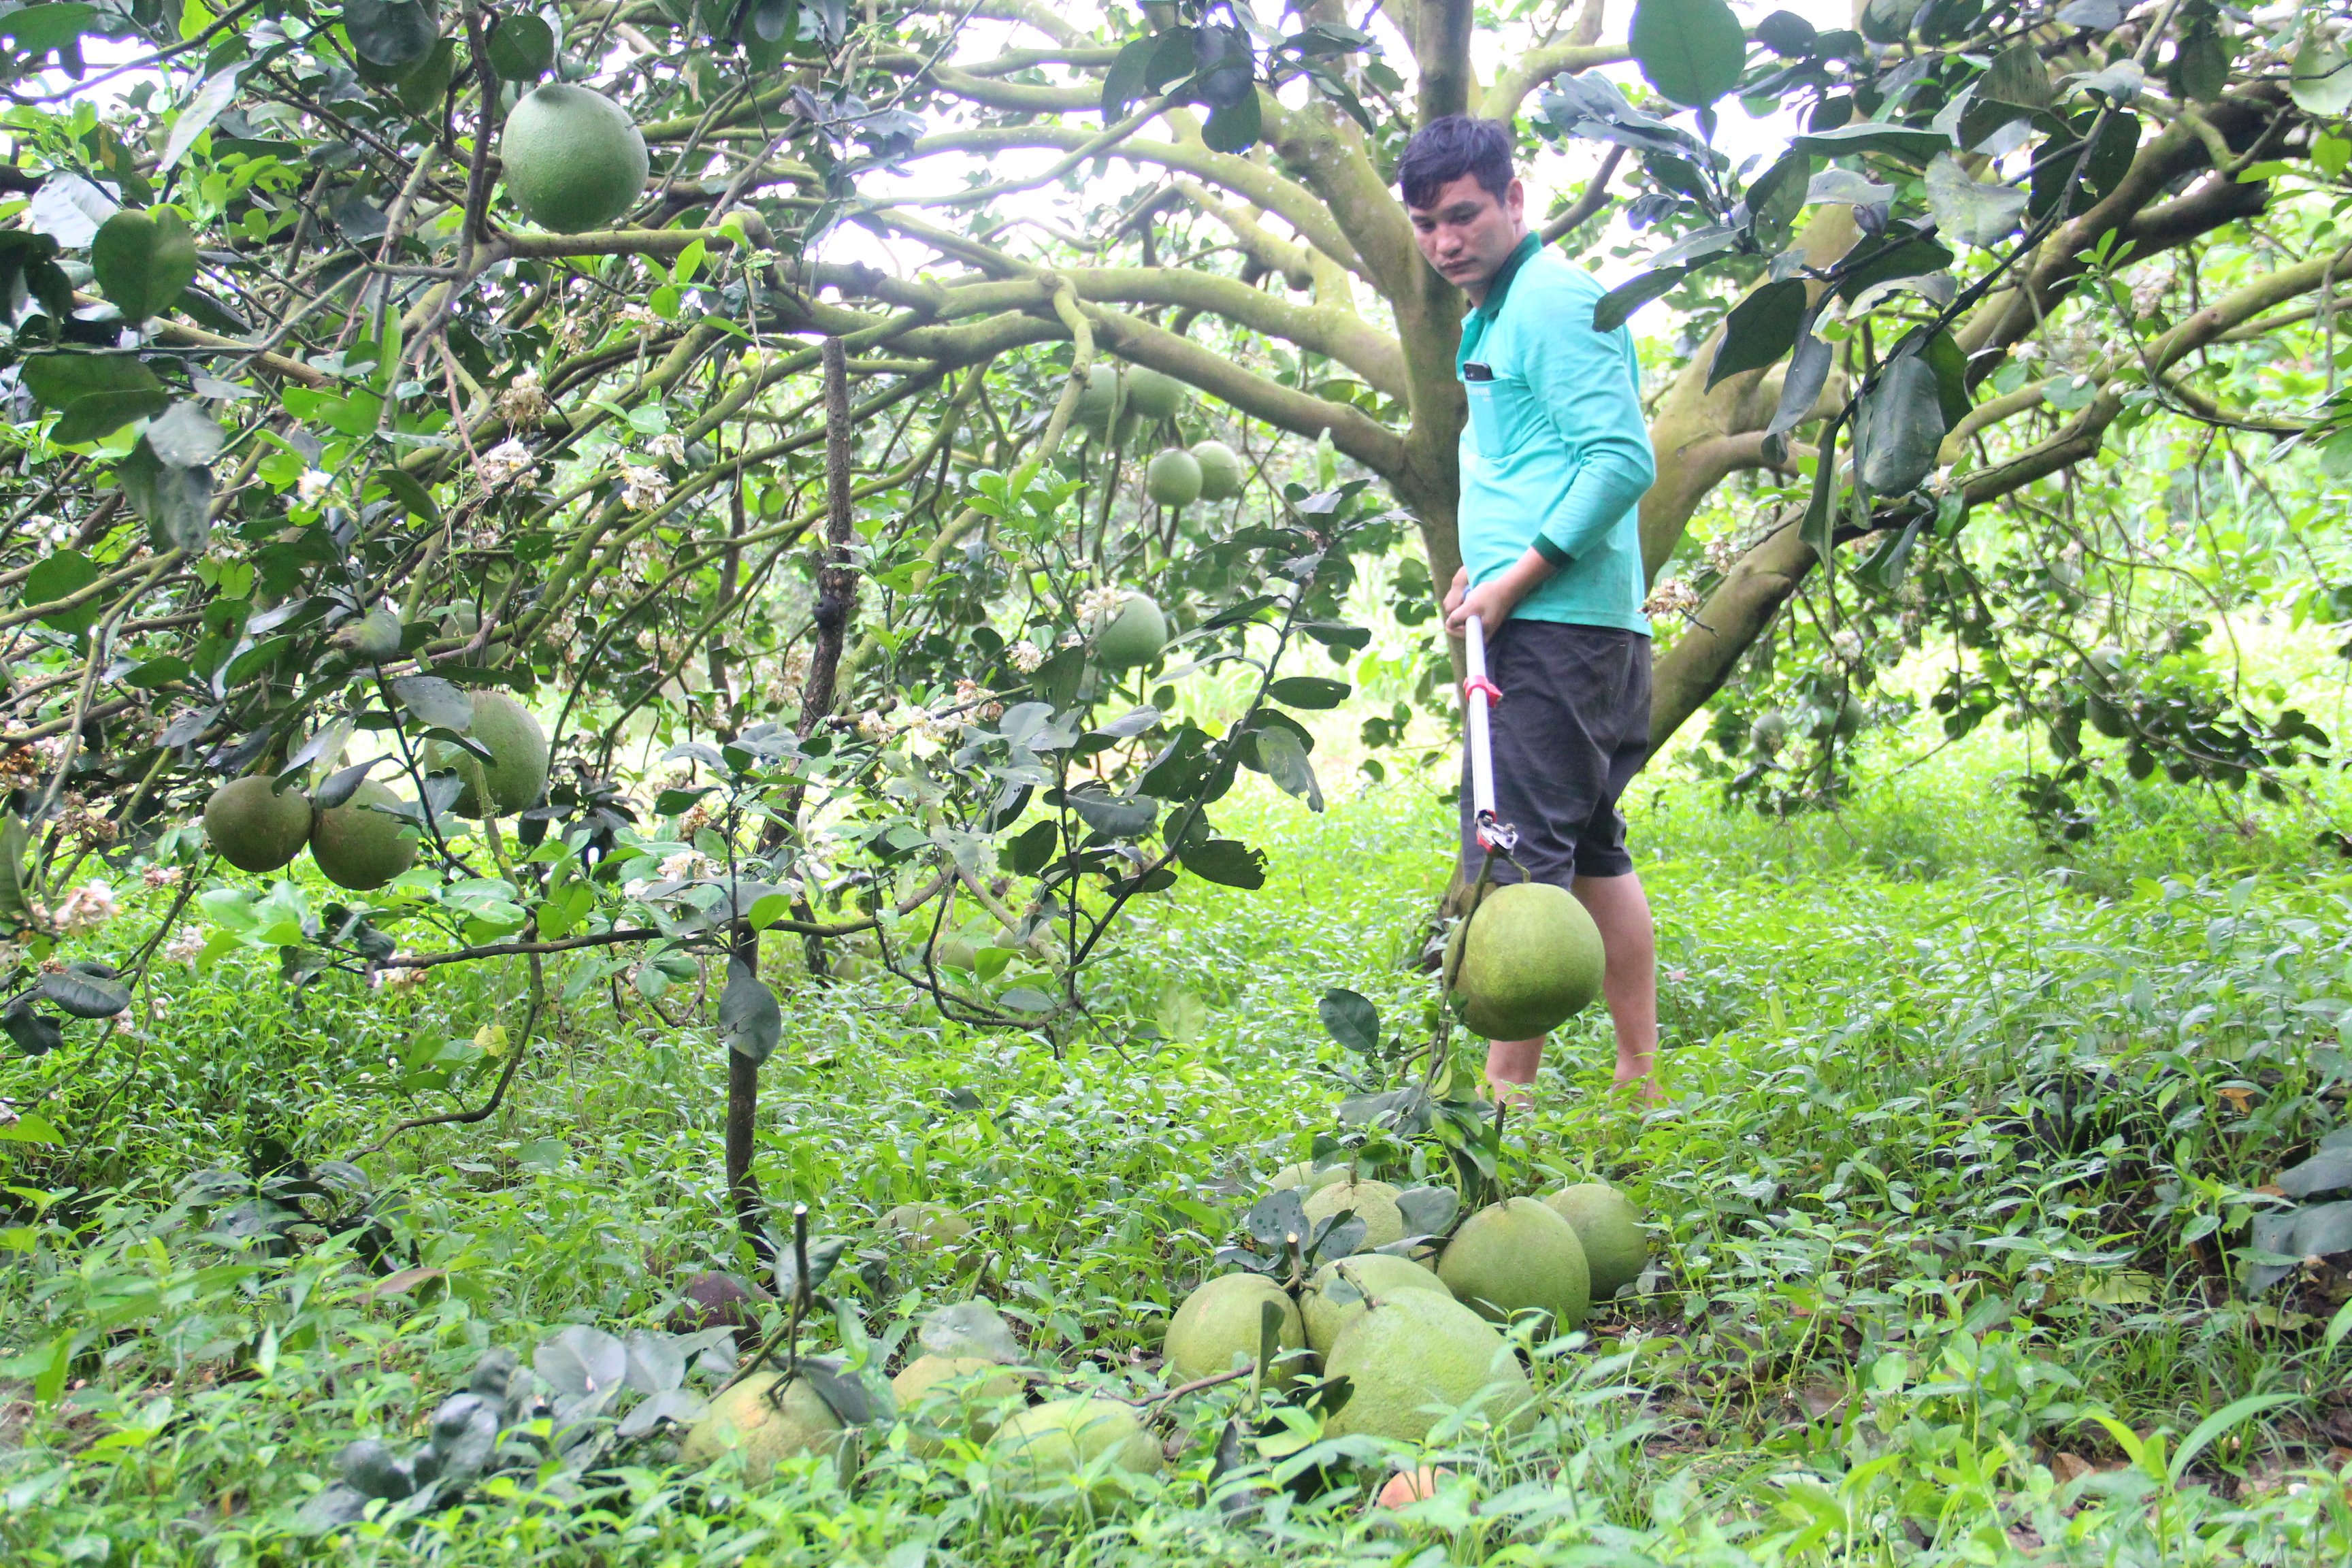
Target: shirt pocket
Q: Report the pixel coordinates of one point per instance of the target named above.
(1503, 414)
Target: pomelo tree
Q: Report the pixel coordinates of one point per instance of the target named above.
(358, 398)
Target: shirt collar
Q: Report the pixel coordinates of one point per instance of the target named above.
(1492, 305)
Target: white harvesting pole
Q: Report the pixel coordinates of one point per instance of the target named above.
(1477, 694)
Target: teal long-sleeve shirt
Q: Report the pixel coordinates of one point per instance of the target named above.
(1555, 456)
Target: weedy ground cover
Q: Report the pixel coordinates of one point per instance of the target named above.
(1952, 1201)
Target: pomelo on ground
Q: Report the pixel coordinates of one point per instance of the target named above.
(765, 1430)
(1152, 394)
(359, 848)
(927, 1225)
(1221, 473)
(1374, 1202)
(1418, 1349)
(517, 772)
(256, 825)
(573, 159)
(1307, 1174)
(1331, 1303)
(1172, 477)
(963, 1392)
(1531, 960)
(1517, 1255)
(1053, 1442)
(1135, 636)
(1217, 1330)
(1609, 1227)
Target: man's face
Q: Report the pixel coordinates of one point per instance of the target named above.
(1467, 233)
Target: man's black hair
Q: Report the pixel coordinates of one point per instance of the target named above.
(1449, 147)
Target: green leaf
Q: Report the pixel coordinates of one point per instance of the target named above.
(1350, 1018)
(1759, 328)
(2017, 76)
(421, 87)
(1031, 848)
(2201, 1436)
(144, 262)
(749, 1020)
(1912, 143)
(432, 701)
(60, 576)
(1972, 212)
(176, 501)
(58, 381)
(2200, 64)
(85, 995)
(1899, 426)
(2321, 82)
(13, 840)
(523, 47)
(41, 29)
(1312, 693)
(1228, 862)
(1123, 83)
(1690, 50)
(35, 1034)
(1235, 128)
(101, 414)
(1819, 526)
(1614, 306)
(405, 487)
(391, 32)
(1280, 756)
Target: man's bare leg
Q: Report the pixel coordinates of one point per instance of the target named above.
(1628, 982)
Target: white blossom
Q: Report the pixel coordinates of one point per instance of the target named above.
(642, 489)
(523, 402)
(88, 907)
(187, 944)
(1671, 597)
(1026, 656)
(669, 447)
(314, 483)
(509, 460)
(1098, 607)
(688, 865)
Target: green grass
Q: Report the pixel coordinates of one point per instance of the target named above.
(1889, 1314)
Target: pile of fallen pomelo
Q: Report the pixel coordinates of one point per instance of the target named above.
(1418, 1343)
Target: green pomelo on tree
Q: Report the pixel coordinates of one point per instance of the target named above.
(765, 1427)
(963, 1392)
(1133, 636)
(1414, 1357)
(517, 772)
(1609, 1227)
(1054, 1441)
(1332, 1302)
(927, 1226)
(1217, 1329)
(1099, 399)
(1374, 1202)
(255, 826)
(1174, 478)
(358, 848)
(1517, 1255)
(1532, 961)
(1153, 396)
(573, 159)
(1223, 477)
(1307, 1174)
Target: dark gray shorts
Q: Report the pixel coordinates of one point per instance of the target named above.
(1570, 734)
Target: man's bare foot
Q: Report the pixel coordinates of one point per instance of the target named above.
(1640, 1076)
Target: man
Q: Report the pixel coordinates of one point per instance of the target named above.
(1554, 460)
